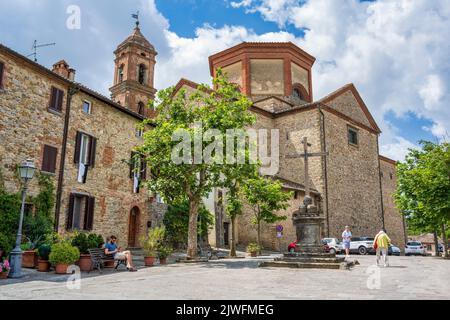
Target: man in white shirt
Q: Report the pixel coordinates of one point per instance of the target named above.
(346, 237)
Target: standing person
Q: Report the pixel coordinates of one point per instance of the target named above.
(346, 237)
(111, 248)
(381, 244)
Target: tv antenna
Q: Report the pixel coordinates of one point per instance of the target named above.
(35, 46)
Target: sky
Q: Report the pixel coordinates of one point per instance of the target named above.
(396, 52)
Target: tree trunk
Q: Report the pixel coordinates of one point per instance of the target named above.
(192, 251)
(233, 237)
(259, 237)
(436, 243)
(444, 238)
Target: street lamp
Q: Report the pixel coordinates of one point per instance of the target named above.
(26, 171)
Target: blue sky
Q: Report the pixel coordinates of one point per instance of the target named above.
(396, 52)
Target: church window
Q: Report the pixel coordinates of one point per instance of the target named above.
(120, 74)
(141, 108)
(391, 176)
(297, 94)
(142, 71)
(352, 136)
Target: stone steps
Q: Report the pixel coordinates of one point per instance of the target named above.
(311, 259)
(306, 265)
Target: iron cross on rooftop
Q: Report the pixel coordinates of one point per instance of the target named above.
(306, 155)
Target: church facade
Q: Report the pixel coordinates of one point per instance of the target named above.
(84, 141)
(352, 185)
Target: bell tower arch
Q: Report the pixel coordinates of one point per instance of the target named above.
(134, 73)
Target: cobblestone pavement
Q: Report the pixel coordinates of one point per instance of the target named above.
(406, 278)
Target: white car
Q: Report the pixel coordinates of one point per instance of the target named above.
(414, 248)
(361, 245)
(334, 244)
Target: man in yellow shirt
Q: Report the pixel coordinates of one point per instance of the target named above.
(381, 243)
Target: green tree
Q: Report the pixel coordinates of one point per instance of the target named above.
(196, 114)
(423, 188)
(176, 221)
(265, 196)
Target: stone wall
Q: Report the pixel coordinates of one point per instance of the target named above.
(347, 104)
(109, 181)
(354, 195)
(393, 220)
(26, 124)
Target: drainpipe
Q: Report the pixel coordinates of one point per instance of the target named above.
(379, 179)
(322, 116)
(72, 90)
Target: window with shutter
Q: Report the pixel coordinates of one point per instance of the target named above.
(69, 222)
(89, 214)
(56, 99)
(2, 68)
(49, 159)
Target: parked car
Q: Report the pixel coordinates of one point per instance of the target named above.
(361, 245)
(326, 247)
(334, 244)
(393, 250)
(414, 248)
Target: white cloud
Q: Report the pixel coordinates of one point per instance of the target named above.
(432, 92)
(243, 3)
(397, 149)
(395, 51)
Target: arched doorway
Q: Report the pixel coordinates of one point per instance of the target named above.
(133, 227)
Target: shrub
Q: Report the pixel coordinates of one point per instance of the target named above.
(253, 247)
(164, 251)
(85, 241)
(176, 221)
(153, 241)
(63, 253)
(6, 244)
(95, 240)
(44, 251)
(27, 246)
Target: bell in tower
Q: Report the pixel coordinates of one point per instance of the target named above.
(134, 73)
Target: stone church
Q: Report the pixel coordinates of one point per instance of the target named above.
(84, 141)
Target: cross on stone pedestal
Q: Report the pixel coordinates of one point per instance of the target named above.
(306, 155)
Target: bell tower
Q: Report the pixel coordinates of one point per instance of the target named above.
(134, 73)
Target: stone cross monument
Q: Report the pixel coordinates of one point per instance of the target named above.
(307, 220)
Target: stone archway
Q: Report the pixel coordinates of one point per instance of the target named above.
(133, 227)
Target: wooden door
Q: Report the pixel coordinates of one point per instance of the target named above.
(133, 227)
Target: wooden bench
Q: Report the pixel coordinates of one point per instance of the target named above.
(98, 258)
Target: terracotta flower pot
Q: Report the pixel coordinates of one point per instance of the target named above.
(4, 275)
(162, 260)
(61, 268)
(85, 262)
(29, 259)
(149, 261)
(43, 265)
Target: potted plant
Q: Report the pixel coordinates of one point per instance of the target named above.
(44, 252)
(253, 249)
(163, 252)
(85, 242)
(62, 255)
(4, 269)
(151, 244)
(29, 257)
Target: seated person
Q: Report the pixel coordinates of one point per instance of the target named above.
(292, 247)
(111, 248)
